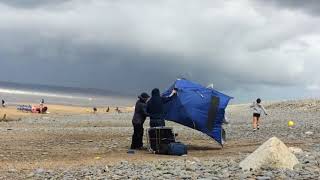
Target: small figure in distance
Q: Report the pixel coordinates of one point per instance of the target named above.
(225, 120)
(108, 109)
(118, 110)
(41, 102)
(258, 109)
(3, 103)
(95, 109)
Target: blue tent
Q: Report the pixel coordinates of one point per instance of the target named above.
(197, 107)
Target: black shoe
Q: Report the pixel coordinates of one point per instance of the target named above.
(258, 127)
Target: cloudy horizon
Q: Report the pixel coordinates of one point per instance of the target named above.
(246, 48)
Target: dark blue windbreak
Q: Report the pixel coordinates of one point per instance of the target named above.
(190, 107)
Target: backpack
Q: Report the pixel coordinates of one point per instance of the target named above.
(177, 149)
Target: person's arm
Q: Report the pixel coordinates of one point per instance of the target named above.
(144, 109)
(148, 107)
(252, 105)
(170, 97)
(264, 110)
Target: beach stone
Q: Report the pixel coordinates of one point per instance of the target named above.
(263, 178)
(273, 153)
(13, 170)
(309, 133)
(196, 159)
(30, 175)
(39, 171)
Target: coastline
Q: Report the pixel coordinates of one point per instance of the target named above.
(12, 114)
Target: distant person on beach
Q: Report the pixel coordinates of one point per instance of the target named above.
(108, 109)
(258, 109)
(140, 115)
(225, 120)
(41, 102)
(155, 107)
(3, 103)
(118, 110)
(95, 109)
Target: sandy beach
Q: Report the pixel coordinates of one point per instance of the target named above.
(74, 143)
(12, 114)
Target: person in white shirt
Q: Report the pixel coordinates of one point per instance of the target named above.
(258, 109)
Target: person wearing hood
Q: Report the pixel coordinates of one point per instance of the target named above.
(155, 107)
(140, 115)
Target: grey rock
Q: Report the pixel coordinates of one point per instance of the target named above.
(263, 178)
(13, 171)
(39, 171)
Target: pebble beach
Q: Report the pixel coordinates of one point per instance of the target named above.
(94, 146)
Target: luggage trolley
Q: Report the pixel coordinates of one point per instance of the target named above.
(158, 139)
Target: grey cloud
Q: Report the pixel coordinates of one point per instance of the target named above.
(310, 6)
(32, 3)
(135, 46)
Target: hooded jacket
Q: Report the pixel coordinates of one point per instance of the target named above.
(155, 107)
(140, 112)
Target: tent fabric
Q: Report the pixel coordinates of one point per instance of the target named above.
(197, 107)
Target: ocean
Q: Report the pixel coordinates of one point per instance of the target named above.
(16, 93)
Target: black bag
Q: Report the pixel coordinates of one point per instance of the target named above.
(159, 138)
(177, 149)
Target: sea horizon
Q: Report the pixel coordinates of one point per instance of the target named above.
(15, 93)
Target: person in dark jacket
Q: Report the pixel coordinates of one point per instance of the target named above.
(3, 103)
(155, 107)
(140, 115)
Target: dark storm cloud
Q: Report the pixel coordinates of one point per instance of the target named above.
(133, 46)
(32, 3)
(309, 6)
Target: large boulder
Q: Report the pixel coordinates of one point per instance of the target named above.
(273, 153)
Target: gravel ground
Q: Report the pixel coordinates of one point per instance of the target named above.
(95, 146)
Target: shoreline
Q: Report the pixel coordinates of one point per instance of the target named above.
(56, 109)
(11, 113)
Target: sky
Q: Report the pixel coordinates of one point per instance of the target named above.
(245, 48)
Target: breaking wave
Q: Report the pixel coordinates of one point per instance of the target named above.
(40, 94)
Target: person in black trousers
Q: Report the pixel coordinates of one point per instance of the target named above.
(140, 115)
(155, 107)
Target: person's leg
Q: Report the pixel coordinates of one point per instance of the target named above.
(258, 118)
(140, 136)
(134, 137)
(254, 122)
(153, 123)
(162, 122)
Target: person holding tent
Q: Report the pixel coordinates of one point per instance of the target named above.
(140, 115)
(258, 109)
(155, 107)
